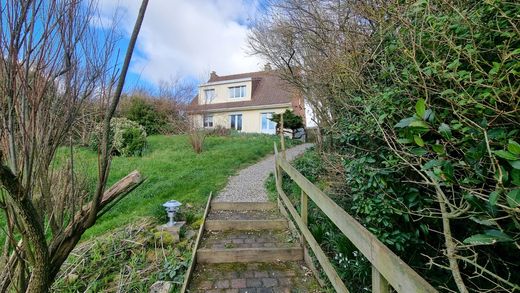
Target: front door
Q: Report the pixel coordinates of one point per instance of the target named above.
(268, 126)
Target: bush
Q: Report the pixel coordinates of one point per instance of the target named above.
(128, 138)
(423, 112)
(290, 121)
(145, 113)
(197, 137)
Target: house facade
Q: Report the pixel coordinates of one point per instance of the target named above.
(244, 102)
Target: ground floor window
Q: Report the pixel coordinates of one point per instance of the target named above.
(268, 126)
(208, 121)
(235, 121)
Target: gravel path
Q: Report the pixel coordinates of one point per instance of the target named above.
(248, 185)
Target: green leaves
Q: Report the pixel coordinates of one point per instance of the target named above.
(493, 197)
(512, 155)
(445, 130)
(489, 237)
(513, 147)
(505, 155)
(515, 164)
(405, 122)
(495, 69)
(420, 108)
(513, 198)
(418, 140)
(419, 124)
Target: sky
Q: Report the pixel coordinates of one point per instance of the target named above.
(185, 38)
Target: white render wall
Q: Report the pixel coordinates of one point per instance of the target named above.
(251, 119)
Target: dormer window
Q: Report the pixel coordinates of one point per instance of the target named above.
(209, 95)
(236, 92)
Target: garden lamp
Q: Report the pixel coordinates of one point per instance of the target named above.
(171, 206)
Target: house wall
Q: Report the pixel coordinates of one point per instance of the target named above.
(251, 119)
(222, 92)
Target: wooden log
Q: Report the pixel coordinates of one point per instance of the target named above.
(63, 244)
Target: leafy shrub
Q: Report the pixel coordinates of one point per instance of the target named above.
(423, 113)
(144, 112)
(127, 137)
(290, 121)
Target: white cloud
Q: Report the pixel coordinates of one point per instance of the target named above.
(188, 38)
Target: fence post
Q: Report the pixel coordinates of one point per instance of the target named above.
(282, 138)
(379, 283)
(304, 213)
(304, 206)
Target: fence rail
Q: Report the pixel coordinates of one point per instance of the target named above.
(388, 270)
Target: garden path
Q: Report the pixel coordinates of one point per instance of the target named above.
(248, 184)
(249, 248)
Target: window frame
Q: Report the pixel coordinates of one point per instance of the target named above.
(234, 120)
(206, 100)
(207, 124)
(269, 122)
(240, 89)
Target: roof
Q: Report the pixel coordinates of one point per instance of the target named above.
(267, 89)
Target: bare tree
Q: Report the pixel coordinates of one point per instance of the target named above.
(52, 61)
(310, 42)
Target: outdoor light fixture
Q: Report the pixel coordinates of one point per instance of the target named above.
(171, 206)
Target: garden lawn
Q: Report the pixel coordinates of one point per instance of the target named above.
(172, 171)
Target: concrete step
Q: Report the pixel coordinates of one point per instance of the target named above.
(249, 239)
(243, 206)
(245, 215)
(245, 225)
(247, 255)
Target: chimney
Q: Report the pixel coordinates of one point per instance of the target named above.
(267, 67)
(213, 75)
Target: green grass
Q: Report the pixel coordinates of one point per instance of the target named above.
(172, 171)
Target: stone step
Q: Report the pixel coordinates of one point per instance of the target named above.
(247, 255)
(243, 206)
(249, 239)
(253, 277)
(245, 215)
(245, 225)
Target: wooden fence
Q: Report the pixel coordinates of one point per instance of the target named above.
(387, 268)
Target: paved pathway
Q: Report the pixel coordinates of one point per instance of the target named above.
(248, 185)
(243, 254)
(249, 248)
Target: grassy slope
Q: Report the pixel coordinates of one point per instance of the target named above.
(173, 171)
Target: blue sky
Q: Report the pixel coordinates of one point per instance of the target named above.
(185, 39)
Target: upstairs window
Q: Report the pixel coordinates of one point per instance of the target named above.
(237, 92)
(208, 121)
(209, 95)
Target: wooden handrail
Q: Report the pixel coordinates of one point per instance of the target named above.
(387, 267)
